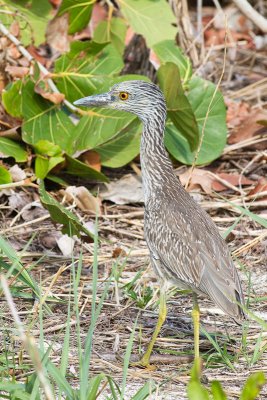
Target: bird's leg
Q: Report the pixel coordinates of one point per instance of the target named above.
(144, 362)
(195, 317)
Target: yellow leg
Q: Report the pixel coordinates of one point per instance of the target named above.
(195, 317)
(144, 362)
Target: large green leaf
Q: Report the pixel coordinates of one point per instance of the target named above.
(5, 176)
(113, 31)
(79, 13)
(44, 120)
(71, 224)
(178, 106)
(36, 12)
(12, 149)
(12, 99)
(78, 168)
(79, 77)
(122, 149)
(168, 51)
(200, 95)
(152, 19)
(102, 125)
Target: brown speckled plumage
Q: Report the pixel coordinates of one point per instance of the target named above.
(185, 245)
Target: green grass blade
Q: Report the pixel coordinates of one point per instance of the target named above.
(148, 388)
(60, 380)
(127, 358)
(253, 386)
(93, 386)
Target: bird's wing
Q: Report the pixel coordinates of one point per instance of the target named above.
(195, 253)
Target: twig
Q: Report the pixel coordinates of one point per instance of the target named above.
(252, 14)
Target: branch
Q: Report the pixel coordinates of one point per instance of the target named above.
(252, 14)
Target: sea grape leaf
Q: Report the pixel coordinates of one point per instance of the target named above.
(167, 51)
(44, 120)
(199, 95)
(113, 31)
(78, 168)
(36, 12)
(99, 127)
(12, 99)
(152, 19)
(12, 149)
(81, 77)
(123, 148)
(44, 165)
(5, 176)
(59, 214)
(79, 13)
(179, 108)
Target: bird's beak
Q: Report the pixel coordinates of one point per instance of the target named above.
(98, 100)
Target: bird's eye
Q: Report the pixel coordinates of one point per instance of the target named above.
(123, 95)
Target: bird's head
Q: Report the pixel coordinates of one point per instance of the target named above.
(137, 97)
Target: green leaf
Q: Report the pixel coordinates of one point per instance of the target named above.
(79, 13)
(13, 149)
(71, 225)
(199, 96)
(44, 165)
(87, 48)
(196, 391)
(5, 176)
(178, 106)
(148, 388)
(167, 51)
(12, 99)
(44, 147)
(44, 120)
(37, 13)
(123, 149)
(79, 77)
(113, 31)
(152, 19)
(78, 168)
(217, 391)
(253, 386)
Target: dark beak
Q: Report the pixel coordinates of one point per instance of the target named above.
(98, 100)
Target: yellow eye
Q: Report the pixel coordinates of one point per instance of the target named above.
(123, 95)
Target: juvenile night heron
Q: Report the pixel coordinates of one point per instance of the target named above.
(186, 248)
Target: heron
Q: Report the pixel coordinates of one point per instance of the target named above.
(185, 246)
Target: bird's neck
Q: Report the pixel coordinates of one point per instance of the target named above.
(155, 163)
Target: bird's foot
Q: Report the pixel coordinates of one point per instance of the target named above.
(144, 363)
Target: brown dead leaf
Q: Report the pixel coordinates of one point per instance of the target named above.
(249, 127)
(17, 72)
(92, 158)
(206, 181)
(199, 179)
(260, 187)
(117, 252)
(14, 28)
(233, 179)
(43, 90)
(83, 198)
(237, 111)
(126, 190)
(57, 33)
